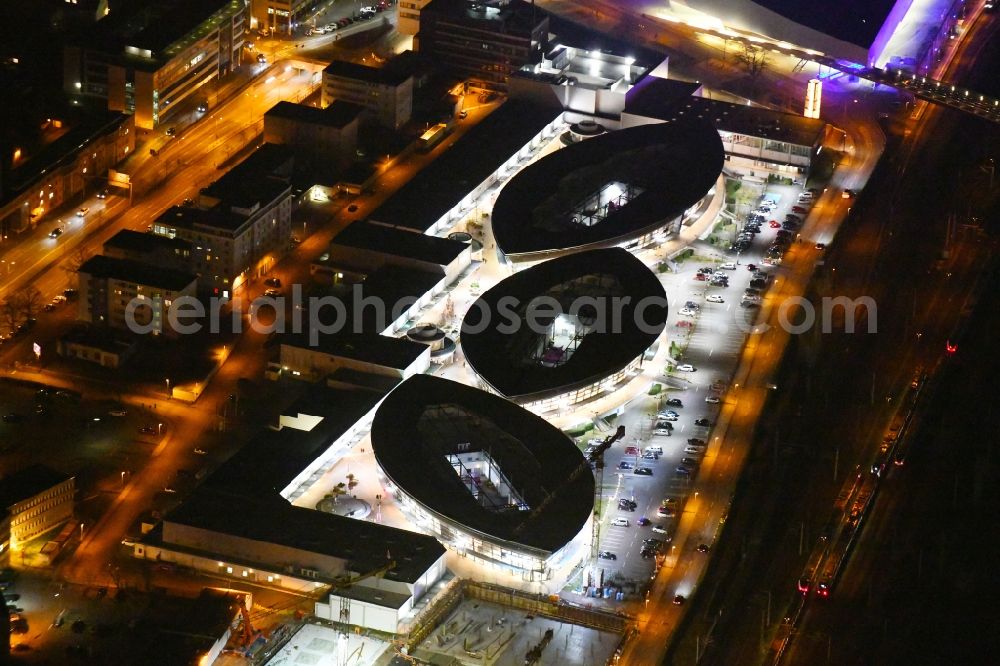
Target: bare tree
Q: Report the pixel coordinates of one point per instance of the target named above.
(77, 258)
(8, 313)
(29, 301)
(754, 61)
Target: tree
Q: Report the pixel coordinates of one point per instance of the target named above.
(28, 301)
(754, 61)
(77, 258)
(8, 313)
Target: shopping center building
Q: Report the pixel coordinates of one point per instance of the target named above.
(566, 330)
(621, 188)
(492, 481)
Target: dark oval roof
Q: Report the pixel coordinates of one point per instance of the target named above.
(425, 418)
(675, 163)
(499, 356)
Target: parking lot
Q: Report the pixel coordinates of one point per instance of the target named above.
(708, 326)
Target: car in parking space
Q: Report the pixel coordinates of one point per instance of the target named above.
(624, 465)
(666, 412)
(659, 529)
(694, 441)
(643, 471)
(650, 455)
(715, 298)
(667, 417)
(620, 522)
(712, 399)
(666, 512)
(691, 462)
(694, 449)
(685, 367)
(703, 422)
(666, 432)
(607, 555)
(667, 425)
(758, 283)
(627, 504)
(800, 209)
(82, 211)
(701, 277)
(718, 282)
(774, 224)
(272, 292)
(674, 402)
(656, 448)
(631, 450)
(272, 282)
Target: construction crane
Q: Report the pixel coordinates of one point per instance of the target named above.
(594, 460)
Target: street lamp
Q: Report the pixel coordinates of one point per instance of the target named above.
(168, 386)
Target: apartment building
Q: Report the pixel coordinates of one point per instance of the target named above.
(386, 92)
(130, 295)
(241, 223)
(69, 157)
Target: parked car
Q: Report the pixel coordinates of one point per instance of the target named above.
(686, 367)
(703, 423)
(715, 298)
(674, 402)
(620, 522)
(607, 555)
(643, 471)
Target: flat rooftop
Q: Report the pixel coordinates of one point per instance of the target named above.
(188, 217)
(143, 243)
(267, 518)
(259, 179)
(242, 496)
(514, 17)
(670, 165)
(441, 185)
(400, 243)
(501, 357)
(339, 114)
(127, 270)
(274, 458)
(426, 418)
(155, 25)
(383, 76)
(28, 482)
(371, 348)
(661, 99)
